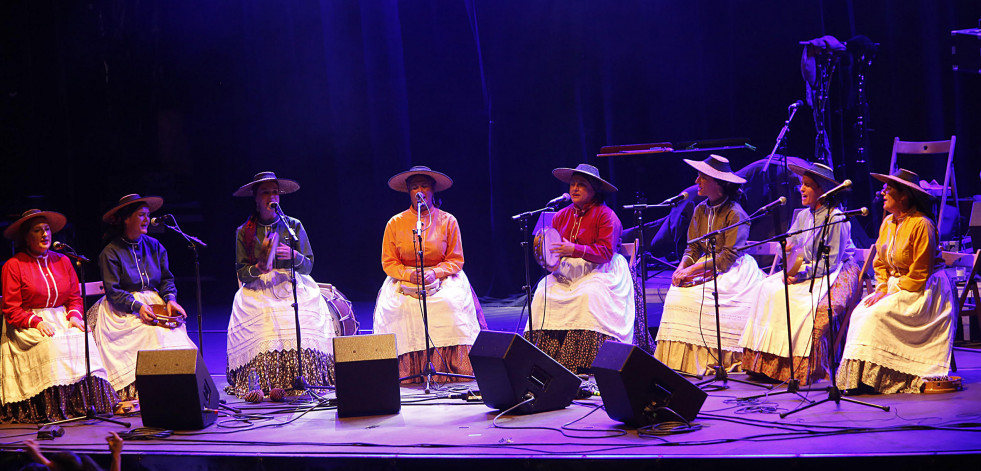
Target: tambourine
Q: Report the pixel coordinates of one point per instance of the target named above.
(412, 289)
(942, 384)
(164, 319)
(544, 239)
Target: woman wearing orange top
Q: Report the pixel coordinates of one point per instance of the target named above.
(451, 306)
(904, 331)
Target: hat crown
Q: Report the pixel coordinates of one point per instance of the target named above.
(128, 198)
(264, 176)
(907, 175)
(588, 169)
(30, 212)
(719, 163)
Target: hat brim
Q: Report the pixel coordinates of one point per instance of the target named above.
(286, 186)
(56, 220)
(804, 171)
(708, 170)
(915, 187)
(565, 175)
(398, 181)
(153, 203)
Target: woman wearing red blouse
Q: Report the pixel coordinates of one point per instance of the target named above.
(42, 345)
(589, 298)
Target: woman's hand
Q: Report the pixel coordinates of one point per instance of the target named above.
(564, 248)
(679, 276)
(285, 252)
(428, 277)
(46, 328)
(173, 308)
(874, 298)
(76, 323)
(146, 314)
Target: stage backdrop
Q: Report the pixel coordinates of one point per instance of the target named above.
(188, 99)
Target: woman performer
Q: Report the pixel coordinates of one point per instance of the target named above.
(905, 330)
(42, 347)
(139, 310)
(452, 308)
(764, 342)
(686, 338)
(589, 298)
(262, 327)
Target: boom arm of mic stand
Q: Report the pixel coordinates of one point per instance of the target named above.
(527, 214)
(719, 231)
(780, 138)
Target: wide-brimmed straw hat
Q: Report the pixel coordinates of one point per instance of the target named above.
(717, 167)
(906, 178)
(55, 220)
(821, 173)
(398, 182)
(152, 202)
(286, 186)
(565, 175)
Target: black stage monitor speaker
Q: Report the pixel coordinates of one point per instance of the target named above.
(367, 372)
(635, 387)
(508, 368)
(176, 391)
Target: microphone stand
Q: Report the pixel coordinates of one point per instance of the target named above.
(193, 243)
(300, 382)
(834, 393)
(784, 191)
(523, 218)
(429, 370)
(720, 371)
(793, 384)
(90, 413)
(641, 253)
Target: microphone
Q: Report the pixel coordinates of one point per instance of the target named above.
(421, 198)
(845, 184)
(565, 198)
(856, 212)
(674, 200)
(275, 207)
(61, 246)
(160, 219)
(796, 105)
(779, 202)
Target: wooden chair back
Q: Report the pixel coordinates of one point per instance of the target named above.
(930, 148)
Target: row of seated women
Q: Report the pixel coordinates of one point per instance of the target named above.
(898, 336)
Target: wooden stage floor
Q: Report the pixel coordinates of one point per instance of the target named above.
(435, 431)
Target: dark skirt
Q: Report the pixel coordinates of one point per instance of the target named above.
(574, 349)
(62, 402)
(270, 370)
(455, 359)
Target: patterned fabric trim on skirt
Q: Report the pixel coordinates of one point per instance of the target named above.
(62, 402)
(854, 373)
(454, 359)
(694, 359)
(845, 293)
(278, 370)
(574, 349)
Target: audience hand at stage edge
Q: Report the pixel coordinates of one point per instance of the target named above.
(173, 309)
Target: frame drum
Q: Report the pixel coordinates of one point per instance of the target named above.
(341, 312)
(543, 248)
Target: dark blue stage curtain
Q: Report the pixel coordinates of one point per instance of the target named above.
(188, 99)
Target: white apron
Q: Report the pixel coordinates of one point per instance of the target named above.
(451, 314)
(33, 362)
(581, 295)
(263, 319)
